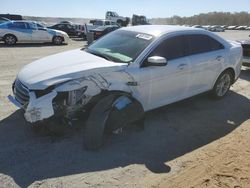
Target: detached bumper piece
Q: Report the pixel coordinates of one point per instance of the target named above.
(40, 108)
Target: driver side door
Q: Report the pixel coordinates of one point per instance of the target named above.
(40, 34)
(161, 85)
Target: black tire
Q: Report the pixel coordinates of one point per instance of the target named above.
(120, 23)
(10, 40)
(222, 85)
(95, 125)
(57, 40)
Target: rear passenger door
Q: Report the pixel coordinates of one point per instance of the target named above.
(206, 58)
(22, 31)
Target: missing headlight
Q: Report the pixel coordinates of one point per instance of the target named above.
(40, 93)
(76, 96)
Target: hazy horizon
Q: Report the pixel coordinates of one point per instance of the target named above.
(97, 8)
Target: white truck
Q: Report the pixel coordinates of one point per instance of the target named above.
(114, 17)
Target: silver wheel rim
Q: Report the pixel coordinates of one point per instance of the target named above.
(223, 85)
(58, 40)
(10, 40)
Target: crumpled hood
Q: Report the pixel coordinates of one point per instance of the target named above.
(62, 67)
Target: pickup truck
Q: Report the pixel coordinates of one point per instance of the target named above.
(114, 17)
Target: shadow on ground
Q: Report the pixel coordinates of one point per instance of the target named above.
(170, 132)
(28, 45)
(32, 45)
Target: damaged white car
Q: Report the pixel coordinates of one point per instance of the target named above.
(124, 74)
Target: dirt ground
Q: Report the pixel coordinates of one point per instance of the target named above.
(198, 142)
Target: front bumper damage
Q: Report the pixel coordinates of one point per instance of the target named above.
(39, 108)
(79, 93)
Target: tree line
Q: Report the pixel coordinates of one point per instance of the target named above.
(212, 18)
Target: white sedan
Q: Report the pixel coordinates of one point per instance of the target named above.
(126, 73)
(29, 31)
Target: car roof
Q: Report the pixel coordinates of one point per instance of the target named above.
(158, 30)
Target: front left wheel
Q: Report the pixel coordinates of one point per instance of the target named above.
(95, 125)
(111, 113)
(57, 40)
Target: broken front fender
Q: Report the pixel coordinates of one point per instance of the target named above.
(124, 110)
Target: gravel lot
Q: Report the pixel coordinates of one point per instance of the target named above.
(198, 142)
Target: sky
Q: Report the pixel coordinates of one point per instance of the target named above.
(97, 8)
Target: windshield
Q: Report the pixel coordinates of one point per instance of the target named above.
(121, 46)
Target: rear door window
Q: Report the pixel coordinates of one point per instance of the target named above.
(201, 44)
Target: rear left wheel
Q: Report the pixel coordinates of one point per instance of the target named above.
(222, 85)
(10, 40)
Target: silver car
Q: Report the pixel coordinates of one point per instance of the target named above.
(29, 31)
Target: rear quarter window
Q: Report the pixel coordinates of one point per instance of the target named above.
(201, 44)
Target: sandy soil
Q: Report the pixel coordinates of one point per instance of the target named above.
(198, 142)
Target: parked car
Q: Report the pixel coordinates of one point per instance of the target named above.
(232, 27)
(99, 22)
(81, 29)
(103, 30)
(198, 27)
(114, 17)
(3, 20)
(70, 29)
(139, 20)
(242, 27)
(216, 28)
(224, 26)
(29, 31)
(12, 16)
(206, 27)
(246, 52)
(66, 22)
(124, 74)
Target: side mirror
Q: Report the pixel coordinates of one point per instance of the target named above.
(157, 61)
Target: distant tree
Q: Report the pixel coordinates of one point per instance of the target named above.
(211, 18)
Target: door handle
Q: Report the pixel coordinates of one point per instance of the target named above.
(218, 58)
(182, 66)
